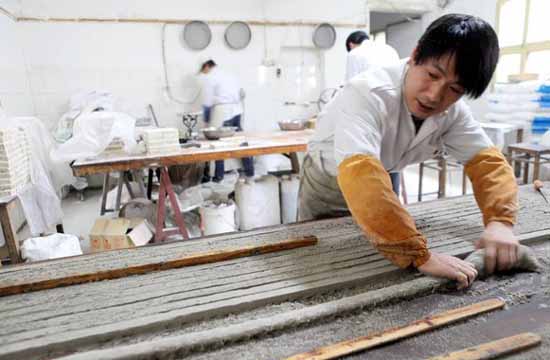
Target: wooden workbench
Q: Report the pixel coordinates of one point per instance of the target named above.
(239, 146)
(279, 142)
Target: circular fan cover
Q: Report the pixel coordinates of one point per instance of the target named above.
(197, 35)
(238, 35)
(324, 36)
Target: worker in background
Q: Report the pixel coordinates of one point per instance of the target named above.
(364, 53)
(222, 106)
(391, 117)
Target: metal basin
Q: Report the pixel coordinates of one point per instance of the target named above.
(292, 125)
(213, 133)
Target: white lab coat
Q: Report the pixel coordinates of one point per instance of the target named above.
(369, 54)
(221, 91)
(369, 116)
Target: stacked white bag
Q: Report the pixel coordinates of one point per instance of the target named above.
(526, 104)
(15, 158)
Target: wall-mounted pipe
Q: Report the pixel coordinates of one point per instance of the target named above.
(183, 21)
(8, 14)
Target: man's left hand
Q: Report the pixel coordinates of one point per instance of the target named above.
(501, 246)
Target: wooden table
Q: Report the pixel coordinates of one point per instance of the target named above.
(279, 142)
(527, 153)
(240, 146)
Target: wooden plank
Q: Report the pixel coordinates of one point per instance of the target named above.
(196, 259)
(392, 335)
(10, 233)
(494, 349)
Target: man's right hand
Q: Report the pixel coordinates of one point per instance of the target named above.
(450, 267)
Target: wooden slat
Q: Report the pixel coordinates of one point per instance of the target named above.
(391, 335)
(196, 259)
(494, 349)
(10, 232)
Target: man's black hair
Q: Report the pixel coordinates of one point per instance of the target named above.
(356, 37)
(209, 63)
(472, 42)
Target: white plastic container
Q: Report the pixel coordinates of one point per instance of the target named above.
(258, 202)
(290, 185)
(218, 217)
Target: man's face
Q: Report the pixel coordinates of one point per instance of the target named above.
(431, 87)
(205, 70)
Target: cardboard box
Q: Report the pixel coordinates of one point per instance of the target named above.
(108, 234)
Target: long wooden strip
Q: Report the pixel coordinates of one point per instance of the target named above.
(494, 349)
(196, 259)
(391, 335)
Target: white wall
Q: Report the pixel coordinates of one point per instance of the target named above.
(486, 10)
(14, 86)
(403, 36)
(125, 58)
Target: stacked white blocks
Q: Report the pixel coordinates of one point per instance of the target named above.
(161, 141)
(116, 147)
(15, 161)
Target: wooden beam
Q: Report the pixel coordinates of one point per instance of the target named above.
(391, 335)
(494, 349)
(9, 230)
(195, 259)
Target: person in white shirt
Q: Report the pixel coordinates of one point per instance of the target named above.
(364, 54)
(222, 107)
(389, 117)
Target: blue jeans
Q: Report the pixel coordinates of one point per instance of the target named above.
(248, 162)
(395, 178)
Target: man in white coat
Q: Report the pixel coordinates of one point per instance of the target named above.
(364, 54)
(387, 118)
(222, 107)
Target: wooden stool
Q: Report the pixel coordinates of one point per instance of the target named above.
(7, 206)
(525, 153)
(441, 165)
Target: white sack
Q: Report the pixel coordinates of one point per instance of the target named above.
(50, 247)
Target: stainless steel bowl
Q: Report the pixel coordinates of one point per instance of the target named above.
(292, 125)
(213, 133)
